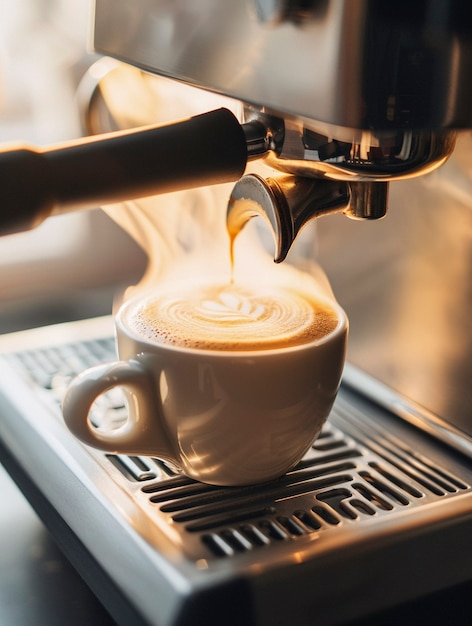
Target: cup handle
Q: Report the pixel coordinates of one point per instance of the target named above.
(144, 435)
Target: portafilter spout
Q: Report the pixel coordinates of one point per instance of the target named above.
(288, 202)
(327, 170)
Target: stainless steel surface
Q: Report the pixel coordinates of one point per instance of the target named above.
(408, 410)
(313, 149)
(364, 64)
(291, 146)
(350, 91)
(367, 201)
(405, 283)
(288, 203)
(371, 491)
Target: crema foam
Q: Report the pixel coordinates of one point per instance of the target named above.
(230, 317)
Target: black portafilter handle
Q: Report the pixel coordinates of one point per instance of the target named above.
(203, 150)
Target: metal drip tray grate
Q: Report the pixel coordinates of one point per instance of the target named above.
(354, 475)
(339, 482)
(377, 513)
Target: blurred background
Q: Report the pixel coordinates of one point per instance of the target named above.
(68, 268)
(71, 266)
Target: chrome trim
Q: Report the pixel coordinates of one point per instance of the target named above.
(410, 411)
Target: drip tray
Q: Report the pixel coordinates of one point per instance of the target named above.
(375, 514)
(339, 481)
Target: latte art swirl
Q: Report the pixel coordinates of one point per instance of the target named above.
(228, 317)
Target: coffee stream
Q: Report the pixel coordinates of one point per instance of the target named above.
(200, 295)
(231, 315)
(234, 225)
(241, 211)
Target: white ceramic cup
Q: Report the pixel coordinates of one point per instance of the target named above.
(222, 417)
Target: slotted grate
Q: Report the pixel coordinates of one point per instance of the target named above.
(338, 482)
(353, 473)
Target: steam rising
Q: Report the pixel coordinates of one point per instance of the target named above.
(184, 233)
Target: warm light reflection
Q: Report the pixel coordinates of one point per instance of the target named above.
(184, 234)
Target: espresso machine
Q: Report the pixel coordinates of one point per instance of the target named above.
(355, 109)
